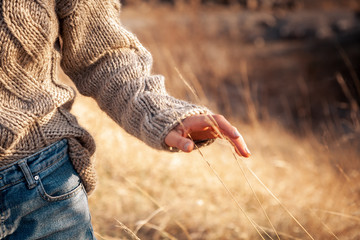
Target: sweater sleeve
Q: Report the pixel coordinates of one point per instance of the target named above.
(108, 63)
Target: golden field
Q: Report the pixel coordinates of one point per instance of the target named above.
(291, 188)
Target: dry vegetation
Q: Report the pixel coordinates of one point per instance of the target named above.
(161, 195)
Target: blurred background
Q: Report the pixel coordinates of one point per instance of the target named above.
(286, 73)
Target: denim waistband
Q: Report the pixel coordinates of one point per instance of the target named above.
(36, 163)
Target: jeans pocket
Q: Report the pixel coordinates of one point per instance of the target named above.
(61, 183)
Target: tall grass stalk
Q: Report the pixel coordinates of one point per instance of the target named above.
(161, 195)
(215, 127)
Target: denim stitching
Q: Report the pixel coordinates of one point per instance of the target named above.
(49, 198)
(58, 159)
(28, 174)
(57, 145)
(11, 184)
(35, 173)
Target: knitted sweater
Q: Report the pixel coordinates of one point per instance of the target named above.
(105, 62)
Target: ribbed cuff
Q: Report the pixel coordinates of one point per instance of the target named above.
(170, 121)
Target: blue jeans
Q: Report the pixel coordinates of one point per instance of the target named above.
(42, 197)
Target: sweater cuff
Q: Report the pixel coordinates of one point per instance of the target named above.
(174, 118)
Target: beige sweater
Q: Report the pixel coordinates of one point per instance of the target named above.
(105, 62)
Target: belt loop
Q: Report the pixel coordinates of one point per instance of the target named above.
(27, 173)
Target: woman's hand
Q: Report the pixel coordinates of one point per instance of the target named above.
(203, 127)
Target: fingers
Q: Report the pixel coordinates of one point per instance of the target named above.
(206, 123)
(225, 127)
(196, 123)
(233, 136)
(175, 139)
(240, 146)
(203, 127)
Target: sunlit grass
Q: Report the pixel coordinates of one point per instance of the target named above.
(160, 195)
(136, 181)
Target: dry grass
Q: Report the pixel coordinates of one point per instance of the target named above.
(161, 195)
(136, 182)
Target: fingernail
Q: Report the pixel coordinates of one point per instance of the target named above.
(247, 151)
(187, 146)
(236, 133)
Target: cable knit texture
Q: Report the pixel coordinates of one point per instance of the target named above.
(105, 62)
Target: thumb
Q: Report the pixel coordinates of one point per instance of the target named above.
(175, 139)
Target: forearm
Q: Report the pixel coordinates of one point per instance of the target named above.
(109, 64)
